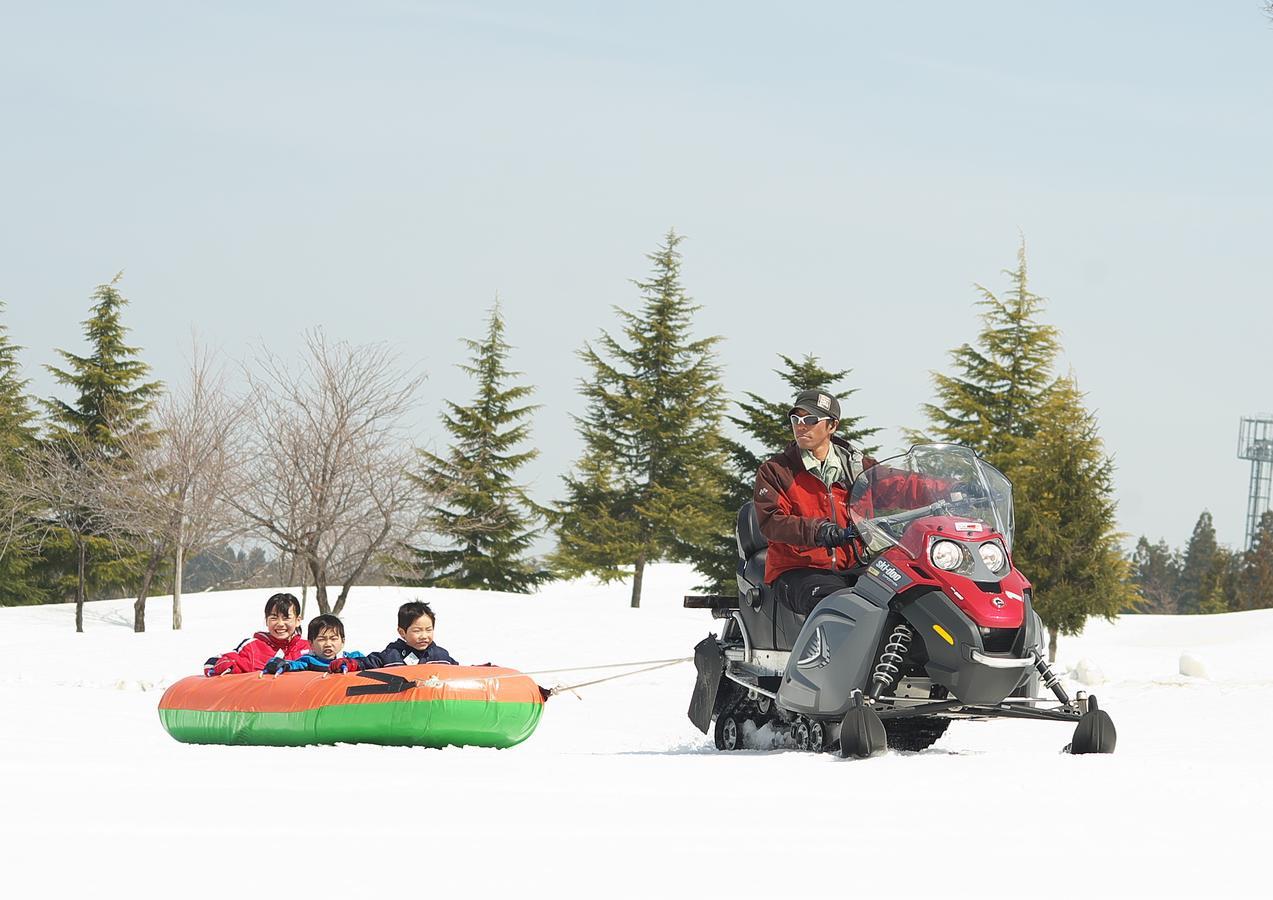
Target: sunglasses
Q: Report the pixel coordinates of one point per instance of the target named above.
(807, 420)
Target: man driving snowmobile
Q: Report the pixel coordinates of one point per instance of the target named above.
(938, 625)
(801, 498)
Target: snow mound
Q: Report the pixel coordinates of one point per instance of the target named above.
(1088, 672)
(1235, 646)
(1192, 666)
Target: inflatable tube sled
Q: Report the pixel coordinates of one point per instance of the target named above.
(416, 706)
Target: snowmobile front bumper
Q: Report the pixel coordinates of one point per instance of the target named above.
(1001, 662)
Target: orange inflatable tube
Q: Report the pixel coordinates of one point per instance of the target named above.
(429, 705)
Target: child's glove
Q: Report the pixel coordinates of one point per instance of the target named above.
(278, 665)
(342, 665)
(220, 667)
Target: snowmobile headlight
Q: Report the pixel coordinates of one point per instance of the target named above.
(994, 557)
(947, 555)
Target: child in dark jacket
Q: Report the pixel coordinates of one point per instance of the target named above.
(280, 638)
(327, 643)
(414, 645)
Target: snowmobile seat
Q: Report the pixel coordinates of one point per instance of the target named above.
(750, 539)
(753, 548)
(771, 624)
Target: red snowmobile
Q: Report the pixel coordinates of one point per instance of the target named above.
(938, 626)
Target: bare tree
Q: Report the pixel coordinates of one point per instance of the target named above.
(170, 500)
(56, 488)
(326, 477)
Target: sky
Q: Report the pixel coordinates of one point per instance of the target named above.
(844, 173)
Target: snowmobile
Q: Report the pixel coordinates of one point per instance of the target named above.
(938, 625)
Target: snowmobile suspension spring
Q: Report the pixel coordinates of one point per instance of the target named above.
(1050, 679)
(886, 669)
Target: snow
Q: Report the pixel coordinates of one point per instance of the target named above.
(617, 795)
(1192, 665)
(1088, 672)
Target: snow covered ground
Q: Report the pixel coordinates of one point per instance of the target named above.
(617, 795)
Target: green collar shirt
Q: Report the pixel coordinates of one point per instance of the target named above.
(828, 470)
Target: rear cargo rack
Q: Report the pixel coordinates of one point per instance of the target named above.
(721, 606)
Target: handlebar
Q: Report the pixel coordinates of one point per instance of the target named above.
(903, 518)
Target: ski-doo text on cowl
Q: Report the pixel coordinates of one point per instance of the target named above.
(937, 626)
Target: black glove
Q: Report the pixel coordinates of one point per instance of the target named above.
(832, 535)
(276, 665)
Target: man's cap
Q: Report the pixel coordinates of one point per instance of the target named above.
(818, 403)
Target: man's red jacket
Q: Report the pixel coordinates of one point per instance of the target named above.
(792, 504)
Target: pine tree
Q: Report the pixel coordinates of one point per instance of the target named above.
(17, 421)
(114, 402)
(486, 517)
(1156, 572)
(17, 435)
(767, 430)
(1220, 585)
(1067, 543)
(1005, 403)
(1198, 571)
(990, 404)
(648, 485)
(1256, 583)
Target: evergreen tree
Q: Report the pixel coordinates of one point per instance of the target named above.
(222, 567)
(648, 485)
(486, 517)
(17, 435)
(1256, 584)
(1156, 572)
(17, 421)
(990, 404)
(1219, 593)
(1005, 403)
(767, 430)
(113, 402)
(1066, 542)
(114, 399)
(1200, 568)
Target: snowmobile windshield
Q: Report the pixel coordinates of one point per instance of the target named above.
(929, 480)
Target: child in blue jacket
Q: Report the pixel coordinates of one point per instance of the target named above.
(327, 645)
(414, 645)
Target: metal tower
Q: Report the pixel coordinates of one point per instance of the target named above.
(1255, 442)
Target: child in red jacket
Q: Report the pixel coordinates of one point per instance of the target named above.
(280, 638)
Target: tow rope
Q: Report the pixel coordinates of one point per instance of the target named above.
(649, 664)
(396, 684)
